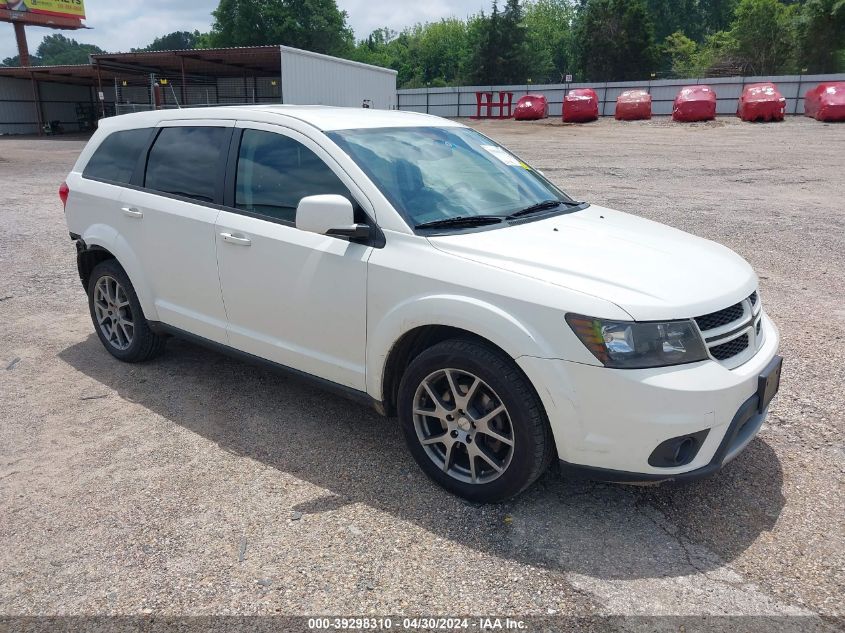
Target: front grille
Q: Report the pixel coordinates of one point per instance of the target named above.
(741, 323)
(731, 348)
(719, 318)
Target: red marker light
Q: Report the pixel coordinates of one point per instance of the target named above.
(64, 191)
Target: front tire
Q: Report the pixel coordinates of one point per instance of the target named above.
(473, 422)
(117, 315)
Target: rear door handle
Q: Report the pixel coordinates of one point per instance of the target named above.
(132, 212)
(240, 240)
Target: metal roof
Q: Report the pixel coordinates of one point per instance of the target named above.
(217, 62)
(79, 73)
(220, 62)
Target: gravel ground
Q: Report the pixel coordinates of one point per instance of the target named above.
(198, 485)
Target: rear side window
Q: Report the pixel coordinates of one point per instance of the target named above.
(115, 159)
(275, 172)
(184, 161)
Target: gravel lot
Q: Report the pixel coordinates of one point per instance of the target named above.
(197, 484)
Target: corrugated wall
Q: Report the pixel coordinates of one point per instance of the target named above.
(460, 101)
(314, 79)
(59, 103)
(17, 110)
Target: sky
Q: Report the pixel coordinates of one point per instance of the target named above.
(121, 25)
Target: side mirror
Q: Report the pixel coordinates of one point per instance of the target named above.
(329, 214)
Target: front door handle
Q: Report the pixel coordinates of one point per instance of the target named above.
(132, 212)
(240, 240)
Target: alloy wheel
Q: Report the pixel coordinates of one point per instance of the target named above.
(113, 312)
(463, 425)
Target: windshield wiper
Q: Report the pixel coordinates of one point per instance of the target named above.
(461, 220)
(545, 205)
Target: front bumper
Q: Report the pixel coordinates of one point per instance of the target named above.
(606, 422)
(741, 431)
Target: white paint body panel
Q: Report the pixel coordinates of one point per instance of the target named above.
(296, 298)
(336, 309)
(649, 269)
(175, 242)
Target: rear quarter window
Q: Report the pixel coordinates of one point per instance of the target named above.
(115, 159)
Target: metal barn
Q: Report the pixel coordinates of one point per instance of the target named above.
(49, 99)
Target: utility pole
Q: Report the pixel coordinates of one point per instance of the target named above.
(23, 48)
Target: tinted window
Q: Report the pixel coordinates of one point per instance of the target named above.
(275, 173)
(116, 157)
(184, 161)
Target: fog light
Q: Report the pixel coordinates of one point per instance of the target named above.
(677, 451)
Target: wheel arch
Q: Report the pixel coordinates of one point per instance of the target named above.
(87, 258)
(401, 336)
(411, 345)
(101, 243)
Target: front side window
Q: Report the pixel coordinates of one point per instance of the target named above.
(431, 174)
(115, 159)
(184, 161)
(275, 172)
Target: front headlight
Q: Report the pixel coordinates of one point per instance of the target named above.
(632, 345)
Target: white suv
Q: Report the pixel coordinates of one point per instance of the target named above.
(412, 263)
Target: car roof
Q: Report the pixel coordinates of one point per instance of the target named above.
(325, 118)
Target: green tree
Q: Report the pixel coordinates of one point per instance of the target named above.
(682, 53)
(763, 34)
(498, 47)
(485, 37)
(717, 14)
(476, 65)
(717, 56)
(425, 54)
(489, 50)
(513, 52)
(673, 16)
(439, 50)
(380, 48)
(176, 41)
(548, 31)
(315, 25)
(821, 36)
(58, 50)
(615, 40)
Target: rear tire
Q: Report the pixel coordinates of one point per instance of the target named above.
(473, 421)
(117, 315)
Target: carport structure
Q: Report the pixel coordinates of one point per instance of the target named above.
(191, 77)
(32, 96)
(74, 97)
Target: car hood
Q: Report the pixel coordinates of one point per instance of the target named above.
(650, 270)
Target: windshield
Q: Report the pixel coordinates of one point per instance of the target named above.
(431, 174)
